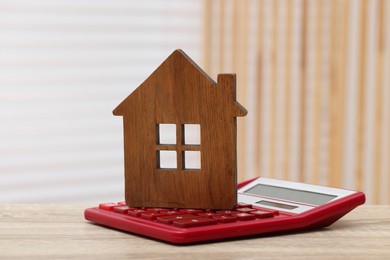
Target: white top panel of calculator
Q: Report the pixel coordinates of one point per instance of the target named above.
(287, 196)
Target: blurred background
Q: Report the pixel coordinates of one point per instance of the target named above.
(314, 76)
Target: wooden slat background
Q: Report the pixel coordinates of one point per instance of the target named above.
(314, 76)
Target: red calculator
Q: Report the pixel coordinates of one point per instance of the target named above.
(264, 206)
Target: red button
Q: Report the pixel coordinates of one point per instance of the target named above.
(262, 214)
(155, 209)
(195, 222)
(151, 215)
(227, 212)
(170, 219)
(121, 209)
(121, 203)
(245, 210)
(245, 216)
(172, 212)
(243, 205)
(136, 212)
(225, 219)
(107, 206)
(209, 214)
(192, 211)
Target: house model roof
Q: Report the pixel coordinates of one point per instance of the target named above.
(178, 56)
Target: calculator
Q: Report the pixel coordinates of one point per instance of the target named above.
(264, 206)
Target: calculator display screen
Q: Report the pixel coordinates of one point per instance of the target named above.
(300, 196)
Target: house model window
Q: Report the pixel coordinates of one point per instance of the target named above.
(166, 134)
(178, 146)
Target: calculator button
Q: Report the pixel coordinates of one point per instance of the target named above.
(151, 215)
(194, 222)
(107, 206)
(225, 218)
(172, 212)
(245, 216)
(227, 212)
(192, 211)
(262, 214)
(243, 205)
(209, 214)
(155, 209)
(136, 212)
(121, 209)
(170, 219)
(245, 210)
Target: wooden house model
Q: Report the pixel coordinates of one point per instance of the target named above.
(179, 96)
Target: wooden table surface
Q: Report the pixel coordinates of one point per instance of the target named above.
(60, 232)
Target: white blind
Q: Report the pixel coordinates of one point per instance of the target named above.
(64, 66)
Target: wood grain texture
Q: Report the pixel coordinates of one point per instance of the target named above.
(318, 86)
(239, 42)
(179, 92)
(259, 85)
(361, 99)
(337, 90)
(379, 85)
(303, 90)
(60, 232)
(273, 95)
(287, 90)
